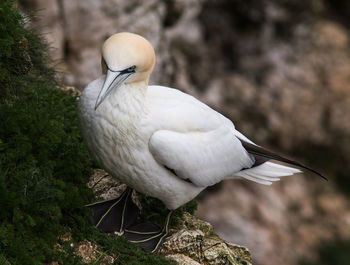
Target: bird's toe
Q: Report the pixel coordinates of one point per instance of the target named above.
(116, 214)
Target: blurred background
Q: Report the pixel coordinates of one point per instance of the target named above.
(280, 69)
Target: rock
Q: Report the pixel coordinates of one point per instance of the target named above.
(104, 186)
(88, 251)
(183, 260)
(192, 241)
(195, 239)
(90, 254)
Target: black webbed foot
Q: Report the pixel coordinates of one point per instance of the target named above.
(149, 236)
(116, 214)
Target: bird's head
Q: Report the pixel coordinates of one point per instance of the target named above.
(126, 58)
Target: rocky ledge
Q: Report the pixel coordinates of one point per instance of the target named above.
(191, 241)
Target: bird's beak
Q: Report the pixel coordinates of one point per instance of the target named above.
(113, 80)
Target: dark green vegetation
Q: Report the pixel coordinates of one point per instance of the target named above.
(44, 166)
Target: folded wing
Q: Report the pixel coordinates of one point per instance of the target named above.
(203, 158)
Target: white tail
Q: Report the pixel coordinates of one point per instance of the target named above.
(267, 172)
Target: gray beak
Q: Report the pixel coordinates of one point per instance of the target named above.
(113, 79)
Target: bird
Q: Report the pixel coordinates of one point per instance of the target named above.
(160, 141)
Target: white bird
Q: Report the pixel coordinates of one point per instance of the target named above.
(160, 141)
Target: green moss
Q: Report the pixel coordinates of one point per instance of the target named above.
(23, 56)
(44, 165)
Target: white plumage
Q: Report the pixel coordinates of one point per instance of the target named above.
(159, 140)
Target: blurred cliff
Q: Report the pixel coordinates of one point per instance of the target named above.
(279, 69)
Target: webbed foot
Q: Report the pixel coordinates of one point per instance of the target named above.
(149, 236)
(116, 214)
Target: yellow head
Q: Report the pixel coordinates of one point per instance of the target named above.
(124, 50)
(126, 58)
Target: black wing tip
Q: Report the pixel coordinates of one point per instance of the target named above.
(257, 150)
(305, 167)
(319, 174)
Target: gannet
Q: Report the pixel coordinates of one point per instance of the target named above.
(160, 141)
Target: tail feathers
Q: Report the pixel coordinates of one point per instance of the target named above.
(280, 168)
(267, 173)
(261, 155)
(257, 180)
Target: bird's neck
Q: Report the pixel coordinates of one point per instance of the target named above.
(130, 98)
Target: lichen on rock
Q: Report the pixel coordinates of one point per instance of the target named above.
(195, 239)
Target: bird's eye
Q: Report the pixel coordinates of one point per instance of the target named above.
(130, 69)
